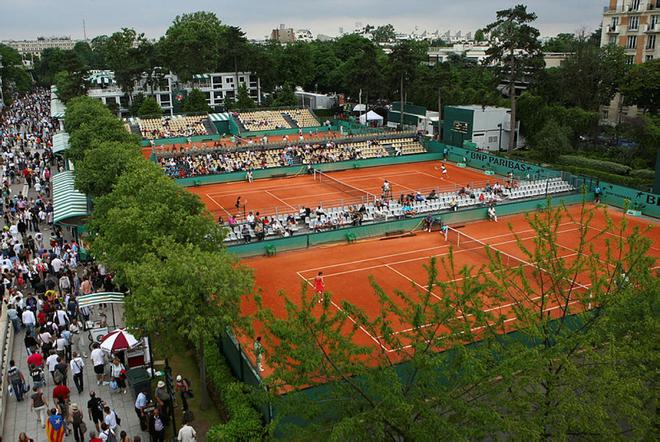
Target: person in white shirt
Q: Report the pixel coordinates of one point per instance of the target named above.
(56, 264)
(110, 418)
(61, 318)
(51, 362)
(98, 359)
(186, 433)
(77, 364)
(29, 321)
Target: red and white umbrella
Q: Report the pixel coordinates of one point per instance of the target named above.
(118, 340)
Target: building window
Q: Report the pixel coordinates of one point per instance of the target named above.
(654, 22)
(229, 80)
(612, 40)
(241, 79)
(650, 42)
(634, 5)
(615, 24)
(630, 59)
(606, 114)
(649, 58)
(632, 42)
(492, 139)
(633, 24)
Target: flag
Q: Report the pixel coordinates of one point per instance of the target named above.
(55, 428)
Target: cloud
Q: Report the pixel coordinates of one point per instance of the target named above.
(27, 19)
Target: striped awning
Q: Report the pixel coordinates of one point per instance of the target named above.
(60, 142)
(224, 116)
(69, 205)
(57, 108)
(100, 298)
(201, 77)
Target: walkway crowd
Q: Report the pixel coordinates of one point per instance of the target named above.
(223, 161)
(41, 281)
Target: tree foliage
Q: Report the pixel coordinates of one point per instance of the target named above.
(195, 101)
(103, 164)
(149, 108)
(243, 100)
(384, 34)
(14, 77)
(551, 141)
(642, 86)
(193, 44)
(515, 48)
(562, 375)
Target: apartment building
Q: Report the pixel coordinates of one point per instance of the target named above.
(633, 25)
(33, 48)
(168, 90)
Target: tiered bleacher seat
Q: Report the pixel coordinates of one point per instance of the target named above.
(178, 126)
(303, 117)
(263, 120)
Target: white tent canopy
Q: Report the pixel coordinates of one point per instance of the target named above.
(371, 116)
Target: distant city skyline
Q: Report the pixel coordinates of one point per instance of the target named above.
(28, 19)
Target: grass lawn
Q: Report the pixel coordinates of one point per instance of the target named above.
(184, 362)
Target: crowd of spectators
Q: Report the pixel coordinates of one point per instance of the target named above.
(222, 161)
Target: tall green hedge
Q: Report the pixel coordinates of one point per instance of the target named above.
(590, 163)
(244, 421)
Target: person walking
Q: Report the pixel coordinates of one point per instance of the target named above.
(77, 364)
(16, 380)
(164, 401)
(98, 359)
(111, 418)
(55, 427)
(187, 433)
(95, 409)
(157, 426)
(76, 420)
(39, 405)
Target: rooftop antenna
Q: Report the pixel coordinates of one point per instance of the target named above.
(84, 30)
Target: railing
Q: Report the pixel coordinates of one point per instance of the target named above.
(6, 349)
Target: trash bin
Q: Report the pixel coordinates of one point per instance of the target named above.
(139, 380)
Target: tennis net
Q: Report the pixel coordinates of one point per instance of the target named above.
(467, 243)
(352, 191)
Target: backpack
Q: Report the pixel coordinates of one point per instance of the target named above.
(58, 376)
(110, 436)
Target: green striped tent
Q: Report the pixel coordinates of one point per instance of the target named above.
(69, 205)
(60, 142)
(100, 298)
(57, 108)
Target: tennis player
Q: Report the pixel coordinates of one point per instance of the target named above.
(319, 285)
(443, 170)
(444, 229)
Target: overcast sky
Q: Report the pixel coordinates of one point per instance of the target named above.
(27, 19)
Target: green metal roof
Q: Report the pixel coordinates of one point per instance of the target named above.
(60, 142)
(57, 108)
(69, 205)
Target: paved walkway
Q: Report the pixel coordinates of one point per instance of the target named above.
(19, 418)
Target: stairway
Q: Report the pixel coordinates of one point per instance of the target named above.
(240, 125)
(210, 127)
(290, 120)
(389, 149)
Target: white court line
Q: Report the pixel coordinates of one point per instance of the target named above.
(414, 282)
(418, 258)
(418, 250)
(218, 204)
(280, 200)
(348, 316)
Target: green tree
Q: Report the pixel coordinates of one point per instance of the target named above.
(193, 44)
(244, 101)
(642, 86)
(144, 207)
(404, 61)
(235, 50)
(285, 97)
(81, 110)
(102, 129)
(136, 103)
(12, 73)
(48, 65)
(514, 45)
(384, 34)
(591, 75)
(174, 283)
(479, 35)
(564, 42)
(561, 376)
(103, 164)
(150, 108)
(195, 102)
(551, 141)
(70, 85)
(129, 55)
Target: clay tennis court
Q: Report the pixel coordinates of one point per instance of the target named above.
(398, 264)
(288, 195)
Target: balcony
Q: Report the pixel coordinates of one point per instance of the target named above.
(612, 29)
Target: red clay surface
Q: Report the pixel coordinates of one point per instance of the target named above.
(398, 264)
(287, 195)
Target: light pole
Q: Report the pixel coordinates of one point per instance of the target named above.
(499, 147)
